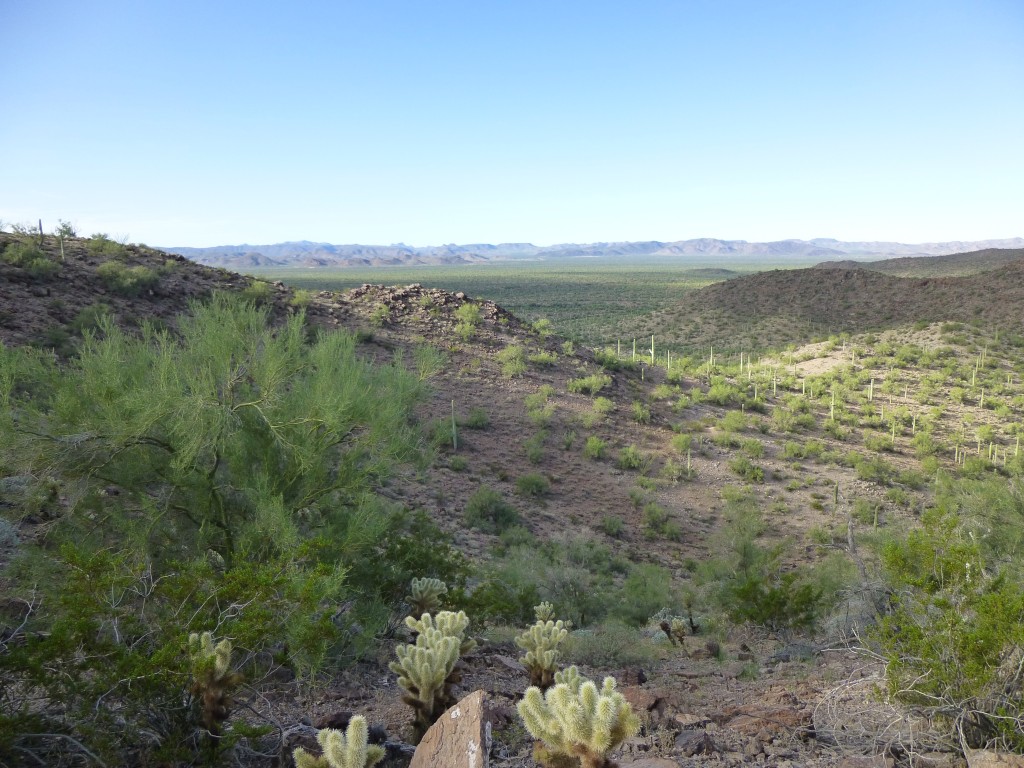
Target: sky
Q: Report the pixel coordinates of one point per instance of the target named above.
(208, 123)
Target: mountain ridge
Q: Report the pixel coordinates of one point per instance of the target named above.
(310, 255)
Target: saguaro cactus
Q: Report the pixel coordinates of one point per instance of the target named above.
(541, 643)
(575, 723)
(342, 750)
(213, 679)
(427, 669)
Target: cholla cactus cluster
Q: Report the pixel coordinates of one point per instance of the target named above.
(342, 750)
(427, 669)
(425, 596)
(675, 630)
(213, 679)
(575, 723)
(541, 643)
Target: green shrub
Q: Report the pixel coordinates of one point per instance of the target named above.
(543, 359)
(20, 252)
(956, 620)
(101, 245)
(534, 447)
(752, 448)
(532, 484)
(128, 281)
(379, 316)
(589, 385)
(612, 525)
(220, 478)
(488, 511)
(750, 472)
(603, 406)
(594, 448)
(259, 292)
(630, 457)
(611, 361)
(301, 298)
(646, 591)
(468, 317)
(513, 361)
(477, 419)
(682, 442)
(784, 602)
(610, 645)
(641, 413)
(733, 421)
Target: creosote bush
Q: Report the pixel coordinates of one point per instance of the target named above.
(488, 511)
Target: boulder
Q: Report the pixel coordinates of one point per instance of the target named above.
(989, 758)
(461, 738)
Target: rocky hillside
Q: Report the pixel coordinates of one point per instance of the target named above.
(615, 477)
(780, 307)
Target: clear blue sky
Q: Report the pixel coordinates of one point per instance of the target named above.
(205, 123)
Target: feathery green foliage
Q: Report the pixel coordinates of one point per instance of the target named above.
(224, 477)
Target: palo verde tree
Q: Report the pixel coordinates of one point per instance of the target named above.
(220, 479)
(954, 638)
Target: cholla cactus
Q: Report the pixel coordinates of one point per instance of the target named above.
(426, 596)
(674, 630)
(342, 750)
(576, 723)
(544, 612)
(427, 669)
(541, 643)
(213, 679)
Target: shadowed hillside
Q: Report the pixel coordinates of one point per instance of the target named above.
(772, 309)
(952, 265)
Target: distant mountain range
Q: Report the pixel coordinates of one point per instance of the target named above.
(309, 255)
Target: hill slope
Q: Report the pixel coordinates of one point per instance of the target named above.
(772, 309)
(950, 265)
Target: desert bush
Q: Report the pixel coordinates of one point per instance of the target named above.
(957, 619)
(513, 361)
(532, 484)
(641, 412)
(488, 511)
(645, 591)
(468, 317)
(589, 385)
(534, 446)
(746, 469)
(223, 478)
(611, 644)
(128, 281)
(612, 525)
(101, 245)
(477, 419)
(594, 448)
(630, 457)
(543, 359)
